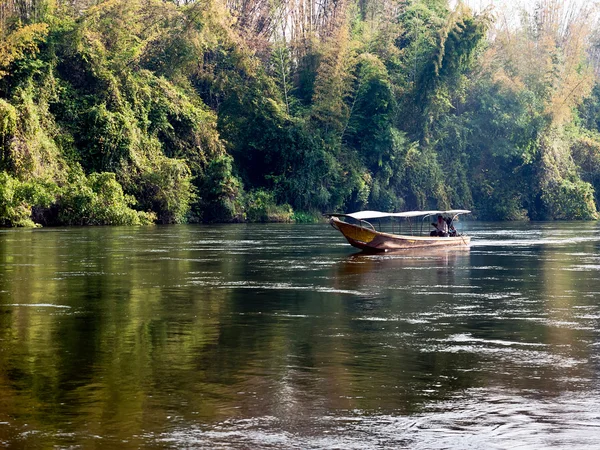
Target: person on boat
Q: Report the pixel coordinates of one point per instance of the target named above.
(451, 230)
(441, 226)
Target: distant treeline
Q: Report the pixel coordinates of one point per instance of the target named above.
(140, 111)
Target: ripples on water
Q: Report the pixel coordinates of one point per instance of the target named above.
(281, 336)
(479, 419)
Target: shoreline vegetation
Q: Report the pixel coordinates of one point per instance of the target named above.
(132, 112)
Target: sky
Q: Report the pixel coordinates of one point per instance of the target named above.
(508, 10)
(479, 5)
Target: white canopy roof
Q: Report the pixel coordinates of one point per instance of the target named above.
(362, 215)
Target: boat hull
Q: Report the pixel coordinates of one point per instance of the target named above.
(376, 241)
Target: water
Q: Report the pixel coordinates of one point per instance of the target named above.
(282, 336)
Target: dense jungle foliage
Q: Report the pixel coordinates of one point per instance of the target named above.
(141, 111)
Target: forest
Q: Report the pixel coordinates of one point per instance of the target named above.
(130, 112)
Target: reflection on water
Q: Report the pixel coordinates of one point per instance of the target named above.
(281, 336)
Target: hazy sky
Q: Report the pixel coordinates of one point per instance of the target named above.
(507, 11)
(516, 4)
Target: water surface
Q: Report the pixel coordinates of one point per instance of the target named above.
(282, 336)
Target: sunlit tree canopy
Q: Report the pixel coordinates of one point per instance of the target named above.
(140, 111)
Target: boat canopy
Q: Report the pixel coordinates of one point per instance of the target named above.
(363, 215)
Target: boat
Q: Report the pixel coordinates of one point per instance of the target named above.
(363, 235)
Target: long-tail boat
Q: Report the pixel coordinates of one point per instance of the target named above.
(410, 234)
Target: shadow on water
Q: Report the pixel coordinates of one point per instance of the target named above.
(279, 336)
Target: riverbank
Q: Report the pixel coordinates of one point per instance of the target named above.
(110, 115)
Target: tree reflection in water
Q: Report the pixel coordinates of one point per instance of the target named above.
(142, 337)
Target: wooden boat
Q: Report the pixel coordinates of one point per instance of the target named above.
(364, 236)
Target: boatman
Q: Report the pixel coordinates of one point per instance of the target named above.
(442, 227)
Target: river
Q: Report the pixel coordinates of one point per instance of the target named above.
(282, 336)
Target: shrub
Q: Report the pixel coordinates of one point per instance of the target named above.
(165, 187)
(17, 198)
(222, 192)
(98, 200)
(261, 207)
(8, 122)
(307, 217)
(570, 200)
